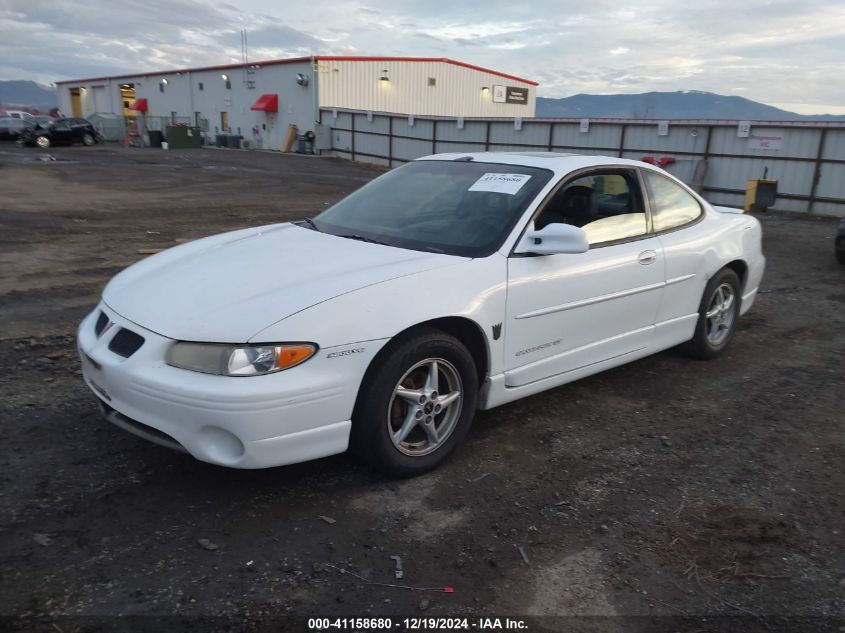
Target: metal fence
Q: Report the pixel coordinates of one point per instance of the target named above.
(714, 156)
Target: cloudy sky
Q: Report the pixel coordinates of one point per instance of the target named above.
(789, 53)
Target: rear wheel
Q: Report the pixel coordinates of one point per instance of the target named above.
(42, 141)
(717, 316)
(88, 140)
(416, 405)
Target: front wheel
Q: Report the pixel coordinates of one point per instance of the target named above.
(717, 316)
(88, 140)
(43, 142)
(416, 404)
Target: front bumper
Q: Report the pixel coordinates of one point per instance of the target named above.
(243, 422)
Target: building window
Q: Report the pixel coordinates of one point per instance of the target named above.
(200, 86)
(432, 81)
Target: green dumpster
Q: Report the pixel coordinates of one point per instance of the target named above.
(183, 137)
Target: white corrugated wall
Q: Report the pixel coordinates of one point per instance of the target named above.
(357, 85)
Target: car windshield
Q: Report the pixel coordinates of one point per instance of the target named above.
(459, 207)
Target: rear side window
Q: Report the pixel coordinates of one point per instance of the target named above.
(671, 205)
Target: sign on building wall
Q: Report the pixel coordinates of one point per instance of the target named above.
(516, 95)
(743, 129)
(510, 94)
(759, 141)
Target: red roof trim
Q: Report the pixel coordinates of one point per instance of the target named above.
(297, 60)
(445, 60)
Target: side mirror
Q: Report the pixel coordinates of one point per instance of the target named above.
(554, 239)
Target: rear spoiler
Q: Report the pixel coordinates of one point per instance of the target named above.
(728, 210)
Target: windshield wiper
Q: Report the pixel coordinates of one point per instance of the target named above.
(310, 223)
(361, 238)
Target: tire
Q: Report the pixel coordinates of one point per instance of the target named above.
(713, 333)
(400, 426)
(88, 140)
(42, 141)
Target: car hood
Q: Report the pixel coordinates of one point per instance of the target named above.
(229, 287)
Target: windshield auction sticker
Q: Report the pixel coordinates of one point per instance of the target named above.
(500, 183)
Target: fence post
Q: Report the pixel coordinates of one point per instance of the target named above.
(817, 172)
(487, 138)
(551, 135)
(434, 136)
(352, 127)
(390, 141)
(622, 139)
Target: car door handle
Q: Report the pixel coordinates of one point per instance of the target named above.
(647, 257)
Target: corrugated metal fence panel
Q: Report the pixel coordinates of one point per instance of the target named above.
(371, 138)
(831, 180)
(797, 142)
(474, 131)
(422, 128)
(533, 136)
(731, 173)
(405, 149)
(731, 160)
(681, 138)
(568, 136)
(379, 123)
(834, 145)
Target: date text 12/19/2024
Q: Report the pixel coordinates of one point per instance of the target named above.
(417, 624)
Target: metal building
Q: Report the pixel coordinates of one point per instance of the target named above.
(259, 100)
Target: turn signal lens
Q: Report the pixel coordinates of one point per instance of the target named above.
(289, 355)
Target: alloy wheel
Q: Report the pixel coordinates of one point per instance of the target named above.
(720, 314)
(425, 407)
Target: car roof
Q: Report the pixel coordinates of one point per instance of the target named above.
(558, 162)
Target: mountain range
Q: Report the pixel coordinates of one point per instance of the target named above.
(684, 104)
(27, 94)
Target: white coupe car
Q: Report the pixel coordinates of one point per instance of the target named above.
(454, 283)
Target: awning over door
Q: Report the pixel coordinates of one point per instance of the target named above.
(140, 105)
(267, 103)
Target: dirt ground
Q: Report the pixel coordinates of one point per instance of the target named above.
(688, 495)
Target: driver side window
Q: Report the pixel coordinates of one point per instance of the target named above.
(606, 204)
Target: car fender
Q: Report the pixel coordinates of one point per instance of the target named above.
(475, 290)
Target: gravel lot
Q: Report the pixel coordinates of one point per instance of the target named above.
(702, 494)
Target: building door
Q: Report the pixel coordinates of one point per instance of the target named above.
(101, 99)
(75, 102)
(224, 122)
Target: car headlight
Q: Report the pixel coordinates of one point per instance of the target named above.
(238, 360)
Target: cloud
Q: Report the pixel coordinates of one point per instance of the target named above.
(776, 51)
